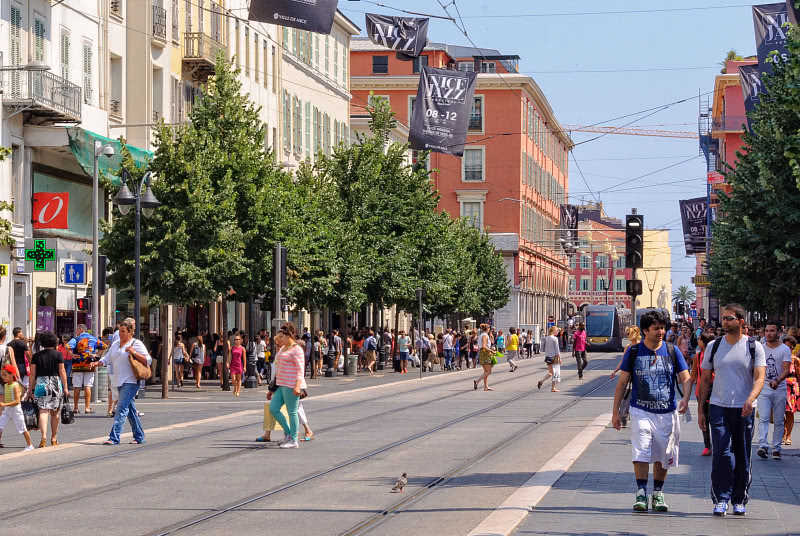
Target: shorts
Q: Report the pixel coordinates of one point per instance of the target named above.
(218, 360)
(404, 356)
(13, 414)
(82, 379)
(655, 437)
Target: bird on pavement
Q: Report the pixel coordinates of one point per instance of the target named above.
(400, 484)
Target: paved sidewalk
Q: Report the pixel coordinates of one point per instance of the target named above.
(596, 495)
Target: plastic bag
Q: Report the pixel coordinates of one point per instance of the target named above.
(31, 412)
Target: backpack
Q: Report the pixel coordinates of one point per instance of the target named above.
(751, 344)
(633, 353)
(371, 343)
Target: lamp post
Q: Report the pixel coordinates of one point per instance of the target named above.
(143, 201)
(107, 151)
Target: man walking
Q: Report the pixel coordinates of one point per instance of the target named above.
(447, 346)
(84, 347)
(579, 348)
(773, 395)
(654, 368)
(738, 363)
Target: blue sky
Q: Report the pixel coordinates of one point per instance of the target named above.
(690, 43)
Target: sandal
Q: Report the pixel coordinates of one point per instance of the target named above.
(88, 411)
(110, 414)
(53, 442)
(109, 442)
(488, 389)
(308, 437)
(134, 442)
(2, 446)
(262, 440)
(475, 384)
(788, 441)
(42, 444)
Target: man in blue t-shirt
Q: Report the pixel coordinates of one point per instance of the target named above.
(652, 367)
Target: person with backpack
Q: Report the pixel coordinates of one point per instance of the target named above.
(739, 366)
(772, 399)
(370, 349)
(702, 343)
(654, 369)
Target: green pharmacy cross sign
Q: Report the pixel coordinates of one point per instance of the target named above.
(38, 254)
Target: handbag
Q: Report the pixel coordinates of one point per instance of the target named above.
(139, 369)
(67, 415)
(31, 412)
(270, 423)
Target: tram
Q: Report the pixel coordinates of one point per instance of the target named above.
(605, 327)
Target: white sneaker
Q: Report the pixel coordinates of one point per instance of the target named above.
(289, 444)
(28, 448)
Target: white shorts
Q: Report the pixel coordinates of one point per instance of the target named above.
(218, 360)
(13, 414)
(655, 437)
(82, 379)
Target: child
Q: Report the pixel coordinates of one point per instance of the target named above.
(13, 409)
(556, 373)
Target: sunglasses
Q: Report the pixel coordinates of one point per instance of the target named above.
(730, 318)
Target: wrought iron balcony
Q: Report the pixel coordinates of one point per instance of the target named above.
(159, 23)
(200, 54)
(43, 96)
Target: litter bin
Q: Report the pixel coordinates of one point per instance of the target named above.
(351, 365)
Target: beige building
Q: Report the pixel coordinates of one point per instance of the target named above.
(656, 275)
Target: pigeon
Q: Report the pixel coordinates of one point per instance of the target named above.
(400, 484)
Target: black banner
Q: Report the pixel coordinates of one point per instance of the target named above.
(793, 11)
(750, 78)
(312, 15)
(406, 36)
(694, 213)
(441, 113)
(769, 21)
(569, 226)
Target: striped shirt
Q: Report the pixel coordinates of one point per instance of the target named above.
(290, 367)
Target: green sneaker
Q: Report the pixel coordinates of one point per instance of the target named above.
(658, 502)
(641, 501)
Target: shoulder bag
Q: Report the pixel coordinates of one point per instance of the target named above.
(139, 369)
(67, 415)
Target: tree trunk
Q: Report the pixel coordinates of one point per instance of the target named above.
(165, 330)
(226, 377)
(396, 327)
(311, 328)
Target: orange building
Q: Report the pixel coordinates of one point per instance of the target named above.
(513, 176)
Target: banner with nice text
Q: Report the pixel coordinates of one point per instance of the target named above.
(769, 21)
(312, 15)
(406, 36)
(441, 114)
(750, 79)
(694, 214)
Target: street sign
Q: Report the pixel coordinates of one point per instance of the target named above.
(715, 177)
(701, 281)
(40, 255)
(693, 313)
(74, 273)
(693, 305)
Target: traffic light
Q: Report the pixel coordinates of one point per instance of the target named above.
(634, 241)
(681, 309)
(84, 304)
(102, 274)
(633, 287)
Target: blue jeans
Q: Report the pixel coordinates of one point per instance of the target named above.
(731, 438)
(68, 370)
(775, 400)
(285, 395)
(448, 357)
(126, 407)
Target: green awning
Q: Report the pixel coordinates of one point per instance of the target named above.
(81, 143)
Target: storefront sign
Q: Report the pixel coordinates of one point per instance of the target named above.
(701, 281)
(40, 255)
(50, 210)
(312, 15)
(715, 177)
(406, 36)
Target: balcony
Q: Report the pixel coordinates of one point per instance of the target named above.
(729, 123)
(200, 54)
(159, 25)
(44, 97)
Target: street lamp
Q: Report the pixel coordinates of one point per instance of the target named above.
(107, 151)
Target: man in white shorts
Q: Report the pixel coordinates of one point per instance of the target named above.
(653, 367)
(84, 348)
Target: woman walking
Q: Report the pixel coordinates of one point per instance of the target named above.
(198, 354)
(48, 385)
(552, 356)
(485, 357)
(237, 365)
(179, 357)
(702, 343)
(683, 341)
(792, 391)
(289, 362)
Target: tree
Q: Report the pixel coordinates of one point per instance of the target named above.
(5, 224)
(683, 295)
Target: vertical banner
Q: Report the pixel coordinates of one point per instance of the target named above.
(750, 78)
(694, 214)
(441, 114)
(312, 15)
(793, 11)
(406, 36)
(769, 21)
(569, 226)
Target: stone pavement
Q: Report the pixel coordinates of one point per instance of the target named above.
(596, 495)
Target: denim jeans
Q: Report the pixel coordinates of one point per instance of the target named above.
(448, 357)
(285, 395)
(774, 399)
(126, 407)
(731, 438)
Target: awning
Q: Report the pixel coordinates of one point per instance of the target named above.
(81, 143)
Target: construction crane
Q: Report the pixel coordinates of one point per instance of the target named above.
(627, 131)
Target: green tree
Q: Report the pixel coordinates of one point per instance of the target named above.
(683, 295)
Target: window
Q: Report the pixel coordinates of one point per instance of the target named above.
(188, 11)
(584, 283)
(584, 262)
(336, 60)
(285, 38)
(488, 67)
(298, 126)
(316, 56)
(619, 285)
(476, 114)
(287, 121)
(246, 51)
(466, 66)
(308, 129)
(255, 59)
(380, 64)
(176, 17)
(472, 211)
(572, 283)
(216, 22)
(415, 159)
(328, 54)
(602, 261)
(412, 100)
(64, 53)
(236, 44)
(38, 39)
(274, 71)
(87, 72)
(16, 47)
(344, 65)
(326, 134)
(294, 41)
(472, 164)
(600, 286)
(265, 53)
(418, 63)
(620, 263)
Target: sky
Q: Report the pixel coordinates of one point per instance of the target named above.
(650, 59)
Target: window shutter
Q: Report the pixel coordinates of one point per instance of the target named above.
(87, 72)
(65, 54)
(308, 129)
(38, 46)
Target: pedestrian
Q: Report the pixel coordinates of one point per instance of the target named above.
(512, 348)
(739, 364)
(683, 341)
(6, 360)
(579, 349)
(219, 357)
(63, 347)
(236, 368)
(792, 391)
(654, 368)
(772, 399)
(288, 384)
(448, 344)
(403, 346)
(474, 349)
(48, 385)
(198, 355)
(122, 350)
(85, 348)
(552, 357)
(526, 344)
(485, 357)
(179, 357)
(371, 345)
(702, 343)
(12, 405)
(22, 355)
(433, 354)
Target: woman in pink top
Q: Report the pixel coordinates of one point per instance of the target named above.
(237, 364)
(290, 363)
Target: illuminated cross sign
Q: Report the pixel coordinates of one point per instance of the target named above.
(37, 253)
